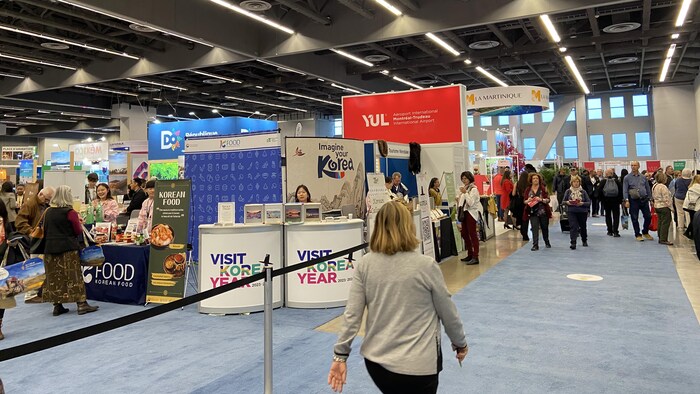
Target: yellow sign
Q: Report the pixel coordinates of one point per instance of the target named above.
(537, 95)
(470, 99)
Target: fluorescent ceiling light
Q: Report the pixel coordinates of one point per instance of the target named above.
(37, 61)
(550, 28)
(107, 90)
(50, 119)
(385, 72)
(206, 74)
(264, 103)
(280, 67)
(213, 107)
(308, 98)
(157, 84)
(562, 49)
(252, 15)
(168, 32)
(468, 61)
(491, 76)
(67, 42)
(577, 74)
(4, 74)
(683, 13)
(667, 62)
(411, 84)
(675, 35)
(85, 115)
(335, 85)
(389, 7)
(443, 44)
(355, 58)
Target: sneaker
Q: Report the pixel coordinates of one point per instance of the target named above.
(585, 243)
(639, 238)
(572, 247)
(548, 245)
(647, 236)
(534, 248)
(667, 243)
(616, 235)
(610, 234)
(474, 261)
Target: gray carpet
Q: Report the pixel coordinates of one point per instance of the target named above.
(531, 330)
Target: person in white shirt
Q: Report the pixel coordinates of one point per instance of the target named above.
(470, 204)
(146, 212)
(91, 188)
(662, 204)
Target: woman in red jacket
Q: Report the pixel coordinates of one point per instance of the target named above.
(506, 188)
(537, 209)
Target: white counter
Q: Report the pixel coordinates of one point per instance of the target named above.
(325, 284)
(229, 253)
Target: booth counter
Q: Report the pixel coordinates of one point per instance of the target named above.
(229, 253)
(326, 284)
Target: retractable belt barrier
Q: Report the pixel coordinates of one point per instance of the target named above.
(71, 336)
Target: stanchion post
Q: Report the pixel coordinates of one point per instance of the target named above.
(268, 325)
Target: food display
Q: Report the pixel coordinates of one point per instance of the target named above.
(162, 235)
(174, 264)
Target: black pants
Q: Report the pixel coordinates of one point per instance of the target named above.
(539, 223)
(2, 313)
(389, 382)
(612, 216)
(595, 206)
(577, 222)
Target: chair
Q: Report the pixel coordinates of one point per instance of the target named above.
(135, 214)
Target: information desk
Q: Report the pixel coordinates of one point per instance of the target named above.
(122, 277)
(325, 284)
(229, 253)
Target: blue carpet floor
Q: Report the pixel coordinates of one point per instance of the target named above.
(531, 330)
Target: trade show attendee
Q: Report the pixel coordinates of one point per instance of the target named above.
(520, 206)
(139, 195)
(595, 198)
(64, 277)
(680, 186)
(5, 230)
(91, 188)
(401, 346)
(397, 187)
(507, 189)
(434, 191)
(107, 203)
(586, 182)
(692, 203)
(30, 214)
(388, 182)
(302, 194)
(636, 192)
(578, 203)
(669, 175)
(610, 192)
(662, 204)
(537, 210)
(561, 184)
(146, 213)
(20, 196)
(470, 202)
(498, 192)
(8, 198)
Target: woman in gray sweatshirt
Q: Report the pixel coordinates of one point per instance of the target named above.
(406, 299)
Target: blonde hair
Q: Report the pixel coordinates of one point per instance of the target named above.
(696, 180)
(575, 178)
(394, 230)
(63, 197)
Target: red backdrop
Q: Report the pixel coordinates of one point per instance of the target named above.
(423, 116)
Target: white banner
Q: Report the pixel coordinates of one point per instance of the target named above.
(508, 97)
(426, 230)
(232, 143)
(92, 152)
(332, 168)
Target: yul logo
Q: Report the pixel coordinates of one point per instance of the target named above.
(375, 120)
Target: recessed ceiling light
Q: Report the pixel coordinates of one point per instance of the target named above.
(55, 46)
(517, 71)
(621, 27)
(214, 81)
(675, 36)
(623, 60)
(377, 58)
(286, 98)
(255, 5)
(228, 104)
(148, 89)
(626, 85)
(485, 44)
(142, 28)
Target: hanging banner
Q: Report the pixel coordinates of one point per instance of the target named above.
(678, 165)
(653, 165)
(169, 238)
(331, 168)
(17, 153)
(511, 100)
(27, 174)
(118, 172)
(589, 165)
(451, 190)
(426, 230)
(425, 116)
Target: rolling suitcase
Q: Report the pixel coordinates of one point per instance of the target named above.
(564, 218)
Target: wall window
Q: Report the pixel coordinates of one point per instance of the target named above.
(528, 118)
(570, 147)
(503, 120)
(572, 115)
(619, 145)
(484, 146)
(548, 115)
(338, 127)
(640, 105)
(472, 146)
(470, 121)
(643, 142)
(486, 121)
(597, 146)
(617, 107)
(552, 152)
(595, 109)
(529, 147)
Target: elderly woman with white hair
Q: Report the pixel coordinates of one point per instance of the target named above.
(681, 189)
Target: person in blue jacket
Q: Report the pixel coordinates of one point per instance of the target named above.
(578, 203)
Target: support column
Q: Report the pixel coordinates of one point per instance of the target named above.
(133, 121)
(582, 129)
(554, 128)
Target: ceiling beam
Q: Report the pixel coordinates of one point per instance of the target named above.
(646, 15)
(306, 11)
(692, 38)
(410, 4)
(495, 30)
(527, 31)
(540, 77)
(359, 9)
(605, 67)
(421, 46)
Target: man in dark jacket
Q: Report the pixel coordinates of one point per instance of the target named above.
(561, 184)
(612, 199)
(586, 183)
(139, 196)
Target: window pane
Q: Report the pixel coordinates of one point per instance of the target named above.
(472, 146)
(552, 152)
(595, 114)
(470, 121)
(528, 118)
(570, 153)
(640, 111)
(548, 115)
(620, 151)
(486, 121)
(597, 152)
(504, 120)
(570, 141)
(642, 138)
(619, 139)
(617, 113)
(529, 143)
(595, 103)
(639, 99)
(572, 115)
(597, 140)
(617, 102)
(643, 150)
(484, 146)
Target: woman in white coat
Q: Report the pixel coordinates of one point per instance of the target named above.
(470, 204)
(691, 204)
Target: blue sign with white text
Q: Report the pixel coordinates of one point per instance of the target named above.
(167, 140)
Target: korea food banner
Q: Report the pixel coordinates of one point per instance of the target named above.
(333, 169)
(169, 238)
(511, 100)
(425, 116)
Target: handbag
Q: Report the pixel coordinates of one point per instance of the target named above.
(20, 277)
(37, 241)
(91, 255)
(634, 194)
(461, 212)
(654, 225)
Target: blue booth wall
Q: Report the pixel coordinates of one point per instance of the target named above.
(389, 165)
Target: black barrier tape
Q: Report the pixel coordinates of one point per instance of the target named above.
(71, 336)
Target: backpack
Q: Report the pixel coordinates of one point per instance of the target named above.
(610, 188)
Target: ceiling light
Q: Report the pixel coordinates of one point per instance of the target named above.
(280, 68)
(308, 98)
(107, 90)
(157, 84)
(675, 36)
(85, 115)
(103, 139)
(65, 41)
(215, 111)
(4, 74)
(37, 61)
(206, 74)
(214, 108)
(577, 74)
(411, 84)
(491, 76)
(259, 87)
(191, 113)
(385, 72)
(49, 119)
(389, 7)
(355, 58)
(335, 85)
(562, 49)
(322, 80)
(468, 61)
(171, 116)
(442, 44)
(264, 103)
(550, 28)
(252, 15)
(683, 13)
(157, 121)
(168, 32)
(667, 62)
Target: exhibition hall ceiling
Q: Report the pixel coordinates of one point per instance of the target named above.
(64, 63)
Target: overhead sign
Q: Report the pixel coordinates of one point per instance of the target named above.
(228, 144)
(92, 152)
(425, 116)
(511, 100)
(16, 153)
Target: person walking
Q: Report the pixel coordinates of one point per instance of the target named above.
(507, 190)
(595, 197)
(470, 204)
(578, 203)
(681, 186)
(636, 192)
(561, 184)
(692, 203)
(497, 189)
(7, 197)
(537, 210)
(520, 189)
(662, 204)
(402, 342)
(5, 230)
(610, 192)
